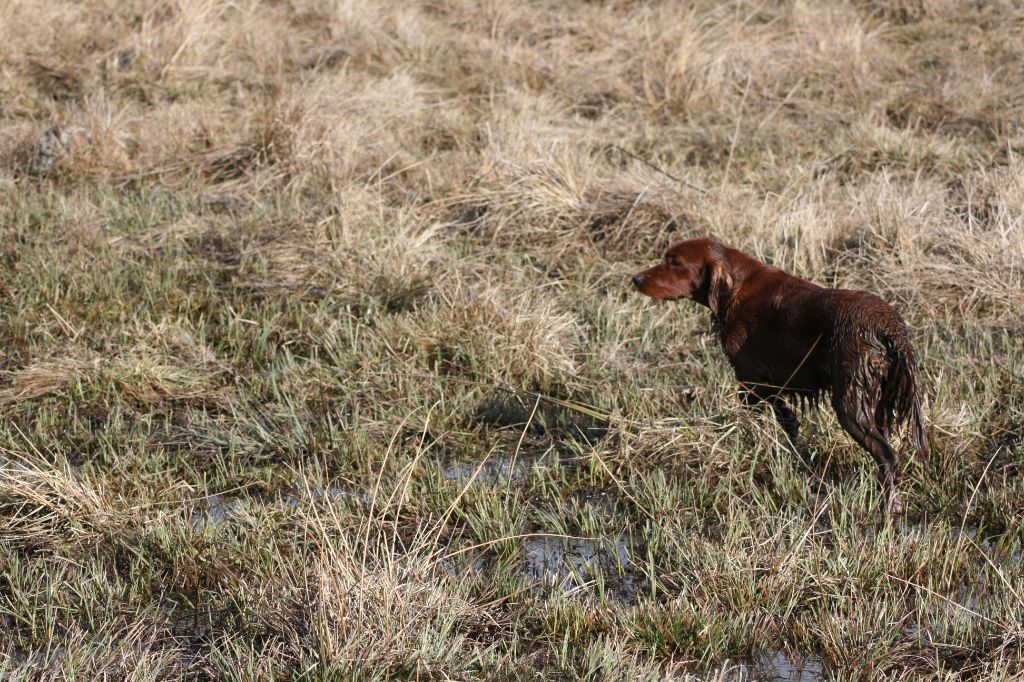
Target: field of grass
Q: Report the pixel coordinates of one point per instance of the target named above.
(319, 358)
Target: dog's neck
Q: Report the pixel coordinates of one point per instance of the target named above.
(739, 265)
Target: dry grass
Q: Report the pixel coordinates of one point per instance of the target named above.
(320, 360)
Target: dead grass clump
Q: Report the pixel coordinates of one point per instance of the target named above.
(900, 11)
(49, 505)
(344, 131)
(45, 377)
(991, 200)
(67, 151)
(374, 133)
(524, 338)
(559, 201)
(869, 147)
(97, 150)
(936, 261)
(783, 62)
(26, 149)
(168, 364)
(624, 222)
(268, 147)
(394, 618)
(367, 256)
(150, 383)
(929, 251)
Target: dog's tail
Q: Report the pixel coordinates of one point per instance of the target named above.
(901, 394)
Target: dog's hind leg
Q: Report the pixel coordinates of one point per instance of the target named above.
(786, 416)
(857, 418)
(758, 395)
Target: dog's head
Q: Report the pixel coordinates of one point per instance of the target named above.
(697, 269)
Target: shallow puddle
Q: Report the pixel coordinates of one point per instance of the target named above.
(778, 666)
(493, 470)
(219, 508)
(298, 498)
(215, 509)
(568, 563)
(542, 417)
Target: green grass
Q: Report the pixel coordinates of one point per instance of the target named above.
(320, 359)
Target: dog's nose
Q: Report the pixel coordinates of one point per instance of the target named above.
(638, 280)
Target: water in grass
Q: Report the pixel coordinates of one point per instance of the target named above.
(776, 666)
(220, 508)
(491, 471)
(215, 510)
(591, 564)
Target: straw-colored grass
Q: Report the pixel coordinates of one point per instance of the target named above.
(320, 359)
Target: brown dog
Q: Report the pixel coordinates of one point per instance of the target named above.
(789, 338)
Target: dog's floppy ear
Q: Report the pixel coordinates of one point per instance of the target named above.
(720, 287)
